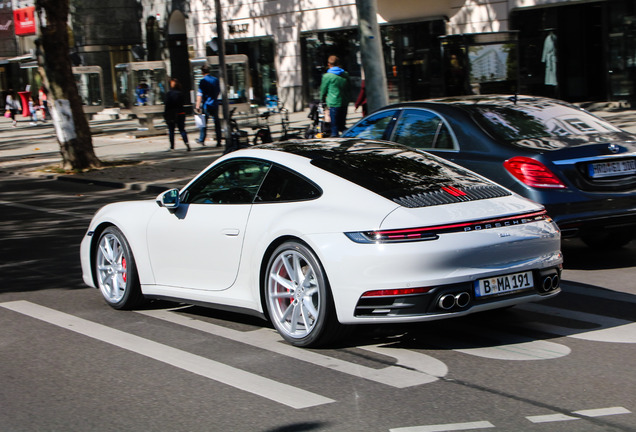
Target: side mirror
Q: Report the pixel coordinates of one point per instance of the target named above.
(169, 199)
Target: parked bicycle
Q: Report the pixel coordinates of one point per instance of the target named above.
(319, 127)
(239, 138)
(264, 134)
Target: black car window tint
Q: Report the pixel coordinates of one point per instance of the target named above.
(444, 138)
(396, 173)
(422, 129)
(283, 185)
(528, 121)
(233, 182)
(372, 127)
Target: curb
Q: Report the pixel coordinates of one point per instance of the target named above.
(140, 187)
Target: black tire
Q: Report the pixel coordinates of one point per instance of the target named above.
(310, 132)
(300, 306)
(116, 271)
(262, 136)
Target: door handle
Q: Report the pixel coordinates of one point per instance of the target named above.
(231, 232)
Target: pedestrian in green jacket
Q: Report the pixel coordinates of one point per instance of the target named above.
(335, 91)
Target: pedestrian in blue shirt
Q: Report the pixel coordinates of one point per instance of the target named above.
(208, 104)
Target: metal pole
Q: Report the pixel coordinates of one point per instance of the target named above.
(223, 75)
(372, 55)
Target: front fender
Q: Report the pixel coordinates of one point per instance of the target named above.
(132, 220)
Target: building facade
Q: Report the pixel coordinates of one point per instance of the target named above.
(574, 50)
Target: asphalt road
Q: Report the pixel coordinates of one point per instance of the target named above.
(68, 362)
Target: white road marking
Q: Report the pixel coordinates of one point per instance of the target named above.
(249, 382)
(446, 427)
(612, 329)
(551, 418)
(599, 412)
(533, 350)
(502, 346)
(18, 264)
(413, 368)
(44, 210)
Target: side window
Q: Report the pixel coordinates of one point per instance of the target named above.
(282, 185)
(372, 127)
(423, 130)
(233, 182)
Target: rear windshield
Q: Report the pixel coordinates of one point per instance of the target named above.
(389, 170)
(540, 120)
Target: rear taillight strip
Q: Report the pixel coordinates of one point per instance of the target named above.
(433, 232)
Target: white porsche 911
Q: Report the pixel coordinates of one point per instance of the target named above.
(317, 235)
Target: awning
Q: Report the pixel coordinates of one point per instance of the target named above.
(405, 10)
(22, 58)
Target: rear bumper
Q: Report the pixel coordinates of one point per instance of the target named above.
(453, 299)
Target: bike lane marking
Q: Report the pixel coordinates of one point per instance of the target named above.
(249, 382)
(598, 412)
(411, 368)
(446, 427)
(611, 329)
(549, 418)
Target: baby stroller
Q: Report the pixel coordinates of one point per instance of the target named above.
(319, 128)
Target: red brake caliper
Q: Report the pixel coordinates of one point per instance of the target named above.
(123, 264)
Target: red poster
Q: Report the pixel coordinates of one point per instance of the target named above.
(24, 21)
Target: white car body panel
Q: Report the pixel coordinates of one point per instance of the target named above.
(198, 246)
(211, 253)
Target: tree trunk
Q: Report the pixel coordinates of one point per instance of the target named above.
(71, 126)
(372, 56)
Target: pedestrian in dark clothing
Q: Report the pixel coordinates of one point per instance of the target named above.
(207, 103)
(334, 90)
(174, 113)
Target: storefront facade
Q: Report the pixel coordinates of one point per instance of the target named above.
(594, 49)
(288, 43)
(574, 50)
(577, 51)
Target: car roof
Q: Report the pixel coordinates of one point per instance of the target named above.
(393, 171)
(495, 99)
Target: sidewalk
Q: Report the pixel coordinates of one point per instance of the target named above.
(137, 163)
(145, 164)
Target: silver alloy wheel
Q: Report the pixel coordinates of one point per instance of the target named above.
(112, 268)
(294, 294)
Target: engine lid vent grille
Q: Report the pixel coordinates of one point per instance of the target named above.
(451, 195)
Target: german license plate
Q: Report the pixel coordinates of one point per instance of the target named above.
(503, 284)
(612, 169)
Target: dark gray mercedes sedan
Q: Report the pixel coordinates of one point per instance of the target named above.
(579, 166)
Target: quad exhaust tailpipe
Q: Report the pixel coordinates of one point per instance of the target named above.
(550, 282)
(448, 301)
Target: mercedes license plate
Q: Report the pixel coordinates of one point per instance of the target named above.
(612, 169)
(503, 284)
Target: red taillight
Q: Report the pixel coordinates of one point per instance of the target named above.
(396, 292)
(433, 232)
(533, 173)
